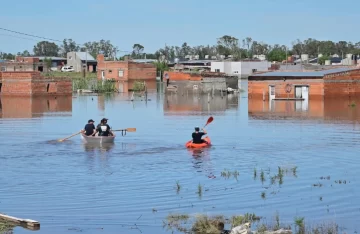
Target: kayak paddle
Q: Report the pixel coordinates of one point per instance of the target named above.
(209, 121)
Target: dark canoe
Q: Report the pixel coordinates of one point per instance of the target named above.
(98, 139)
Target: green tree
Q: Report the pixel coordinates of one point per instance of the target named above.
(278, 54)
(322, 59)
(47, 62)
(45, 48)
(69, 46)
(137, 51)
(228, 45)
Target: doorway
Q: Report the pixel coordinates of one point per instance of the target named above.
(103, 75)
(0, 87)
(271, 92)
(302, 92)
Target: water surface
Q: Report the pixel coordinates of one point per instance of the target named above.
(130, 186)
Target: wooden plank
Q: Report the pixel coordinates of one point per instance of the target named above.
(31, 224)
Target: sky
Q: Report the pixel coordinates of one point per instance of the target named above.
(158, 22)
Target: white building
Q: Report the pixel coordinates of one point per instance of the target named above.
(241, 68)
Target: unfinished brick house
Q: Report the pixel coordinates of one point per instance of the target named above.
(333, 83)
(32, 83)
(125, 73)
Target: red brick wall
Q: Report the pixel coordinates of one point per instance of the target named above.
(256, 88)
(32, 83)
(345, 84)
(140, 71)
(180, 76)
(111, 69)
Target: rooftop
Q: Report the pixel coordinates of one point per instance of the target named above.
(85, 56)
(50, 57)
(306, 73)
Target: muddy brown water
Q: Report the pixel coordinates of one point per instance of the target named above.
(130, 186)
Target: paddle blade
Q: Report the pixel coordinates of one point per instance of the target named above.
(209, 120)
(131, 129)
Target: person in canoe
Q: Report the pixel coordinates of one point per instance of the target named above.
(103, 128)
(89, 128)
(197, 135)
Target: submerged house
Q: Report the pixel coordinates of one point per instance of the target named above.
(332, 83)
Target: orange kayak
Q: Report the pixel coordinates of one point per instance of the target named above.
(207, 143)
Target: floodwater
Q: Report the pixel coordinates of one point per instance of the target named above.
(130, 186)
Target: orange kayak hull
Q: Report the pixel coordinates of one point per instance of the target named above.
(207, 143)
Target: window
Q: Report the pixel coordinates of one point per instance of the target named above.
(217, 70)
(121, 73)
(3, 69)
(70, 57)
(236, 72)
(110, 71)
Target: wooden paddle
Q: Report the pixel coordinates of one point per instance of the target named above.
(126, 129)
(209, 121)
(69, 136)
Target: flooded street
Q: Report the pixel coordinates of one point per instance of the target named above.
(131, 186)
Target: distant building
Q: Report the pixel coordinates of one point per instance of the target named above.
(81, 61)
(332, 83)
(32, 63)
(240, 68)
(125, 73)
(190, 65)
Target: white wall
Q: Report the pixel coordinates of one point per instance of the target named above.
(217, 65)
(247, 67)
(240, 68)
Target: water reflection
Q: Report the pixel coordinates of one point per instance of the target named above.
(183, 104)
(323, 109)
(30, 107)
(98, 147)
(202, 162)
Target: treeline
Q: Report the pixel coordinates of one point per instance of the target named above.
(226, 45)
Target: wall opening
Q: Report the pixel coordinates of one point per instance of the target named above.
(0, 87)
(40, 68)
(47, 88)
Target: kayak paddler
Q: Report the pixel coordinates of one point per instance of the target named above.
(196, 136)
(103, 128)
(89, 128)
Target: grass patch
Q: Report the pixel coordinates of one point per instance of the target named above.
(6, 227)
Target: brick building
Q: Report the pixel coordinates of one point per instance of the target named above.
(32, 83)
(124, 72)
(333, 83)
(32, 64)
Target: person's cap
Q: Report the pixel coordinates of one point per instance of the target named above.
(91, 120)
(104, 119)
(197, 128)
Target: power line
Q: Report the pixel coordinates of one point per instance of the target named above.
(31, 39)
(30, 35)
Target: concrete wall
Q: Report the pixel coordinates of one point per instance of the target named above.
(199, 87)
(73, 60)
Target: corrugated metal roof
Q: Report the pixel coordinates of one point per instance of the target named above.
(50, 57)
(85, 56)
(306, 74)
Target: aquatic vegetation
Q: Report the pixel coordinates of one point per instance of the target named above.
(202, 223)
(227, 174)
(6, 227)
(318, 185)
(300, 225)
(178, 186)
(262, 176)
(199, 192)
(263, 195)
